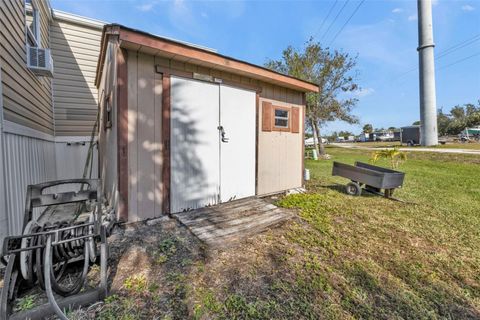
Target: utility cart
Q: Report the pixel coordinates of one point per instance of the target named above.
(372, 178)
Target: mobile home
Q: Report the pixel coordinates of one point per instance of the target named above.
(48, 100)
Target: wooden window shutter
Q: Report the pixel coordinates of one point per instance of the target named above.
(295, 121)
(266, 116)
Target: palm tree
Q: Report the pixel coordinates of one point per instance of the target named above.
(395, 156)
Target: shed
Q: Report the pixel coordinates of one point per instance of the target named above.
(183, 127)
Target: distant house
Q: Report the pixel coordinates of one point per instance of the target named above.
(310, 142)
(48, 99)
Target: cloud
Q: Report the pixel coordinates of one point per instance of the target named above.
(397, 10)
(412, 17)
(184, 17)
(146, 7)
(376, 43)
(363, 92)
(468, 7)
(434, 2)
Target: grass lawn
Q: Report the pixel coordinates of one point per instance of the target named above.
(377, 144)
(450, 145)
(342, 258)
(458, 145)
(368, 257)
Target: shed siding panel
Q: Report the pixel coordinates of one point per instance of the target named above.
(75, 51)
(144, 137)
(27, 98)
(107, 145)
(132, 136)
(280, 154)
(158, 154)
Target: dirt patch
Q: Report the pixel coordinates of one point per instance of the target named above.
(147, 276)
(147, 279)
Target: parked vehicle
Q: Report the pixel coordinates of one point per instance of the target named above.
(397, 135)
(309, 142)
(385, 137)
(364, 137)
(470, 134)
(411, 135)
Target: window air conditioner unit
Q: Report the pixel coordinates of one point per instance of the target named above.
(40, 61)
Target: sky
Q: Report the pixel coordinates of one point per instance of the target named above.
(382, 33)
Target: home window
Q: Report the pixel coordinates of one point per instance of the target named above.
(282, 118)
(32, 19)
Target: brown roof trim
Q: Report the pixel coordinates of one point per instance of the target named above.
(198, 55)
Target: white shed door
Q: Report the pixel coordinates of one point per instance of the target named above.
(195, 147)
(237, 149)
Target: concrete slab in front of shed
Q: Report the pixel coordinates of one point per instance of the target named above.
(225, 224)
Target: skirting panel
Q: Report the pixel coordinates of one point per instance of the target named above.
(71, 158)
(26, 161)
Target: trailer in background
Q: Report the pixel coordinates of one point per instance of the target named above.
(410, 135)
(363, 137)
(397, 135)
(470, 134)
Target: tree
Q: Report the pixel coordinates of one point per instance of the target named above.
(368, 128)
(416, 123)
(459, 118)
(332, 72)
(442, 122)
(345, 134)
(458, 113)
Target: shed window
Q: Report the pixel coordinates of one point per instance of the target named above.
(107, 110)
(281, 118)
(32, 19)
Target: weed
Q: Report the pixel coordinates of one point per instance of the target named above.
(136, 283)
(167, 247)
(161, 258)
(25, 303)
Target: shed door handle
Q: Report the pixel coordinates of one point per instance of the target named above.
(222, 132)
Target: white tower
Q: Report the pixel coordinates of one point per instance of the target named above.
(428, 101)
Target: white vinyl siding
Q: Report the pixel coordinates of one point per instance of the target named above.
(26, 97)
(75, 50)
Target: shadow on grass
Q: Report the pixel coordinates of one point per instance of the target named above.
(277, 278)
(341, 189)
